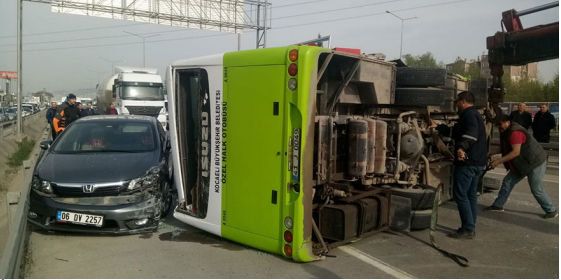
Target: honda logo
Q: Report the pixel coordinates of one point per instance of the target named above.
(88, 188)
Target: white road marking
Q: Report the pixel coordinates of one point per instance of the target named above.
(391, 270)
(503, 174)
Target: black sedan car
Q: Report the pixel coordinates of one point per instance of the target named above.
(106, 174)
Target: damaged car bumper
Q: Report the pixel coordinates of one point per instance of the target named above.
(123, 214)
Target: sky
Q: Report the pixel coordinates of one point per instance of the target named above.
(61, 52)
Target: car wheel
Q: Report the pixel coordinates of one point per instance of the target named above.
(420, 219)
(420, 77)
(422, 196)
(166, 201)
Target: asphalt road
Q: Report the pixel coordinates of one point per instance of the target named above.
(517, 243)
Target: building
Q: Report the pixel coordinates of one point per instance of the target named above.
(516, 73)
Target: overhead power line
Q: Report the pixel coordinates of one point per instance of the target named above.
(282, 27)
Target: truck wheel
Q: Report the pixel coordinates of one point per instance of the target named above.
(420, 219)
(422, 196)
(420, 77)
(419, 96)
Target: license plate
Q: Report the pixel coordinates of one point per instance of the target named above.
(78, 218)
(296, 155)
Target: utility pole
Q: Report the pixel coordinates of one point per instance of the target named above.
(19, 66)
(112, 63)
(402, 20)
(143, 45)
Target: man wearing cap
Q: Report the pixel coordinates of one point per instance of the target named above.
(522, 156)
(522, 117)
(66, 114)
(470, 160)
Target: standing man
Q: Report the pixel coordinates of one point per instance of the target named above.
(51, 112)
(112, 110)
(522, 156)
(544, 121)
(471, 157)
(80, 110)
(521, 116)
(66, 113)
(88, 111)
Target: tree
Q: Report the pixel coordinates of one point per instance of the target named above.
(529, 90)
(459, 66)
(426, 60)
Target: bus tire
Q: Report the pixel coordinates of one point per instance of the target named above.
(420, 219)
(420, 77)
(422, 196)
(419, 97)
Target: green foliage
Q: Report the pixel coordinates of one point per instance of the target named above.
(425, 60)
(23, 152)
(532, 90)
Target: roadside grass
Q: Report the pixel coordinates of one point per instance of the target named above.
(23, 152)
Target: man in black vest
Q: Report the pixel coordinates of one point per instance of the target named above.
(522, 156)
(521, 117)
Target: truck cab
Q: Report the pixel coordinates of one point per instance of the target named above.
(134, 91)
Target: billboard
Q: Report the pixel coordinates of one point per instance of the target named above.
(8, 75)
(217, 15)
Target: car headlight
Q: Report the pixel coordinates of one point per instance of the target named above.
(41, 185)
(150, 179)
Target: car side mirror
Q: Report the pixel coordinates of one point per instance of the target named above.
(45, 145)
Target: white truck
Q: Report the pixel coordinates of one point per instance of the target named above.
(133, 91)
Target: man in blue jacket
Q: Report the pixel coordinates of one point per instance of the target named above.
(51, 112)
(470, 140)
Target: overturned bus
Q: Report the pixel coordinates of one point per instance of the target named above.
(295, 150)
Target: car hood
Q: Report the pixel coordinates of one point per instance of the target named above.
(94, 167)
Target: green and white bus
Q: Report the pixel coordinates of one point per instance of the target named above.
(284, 149)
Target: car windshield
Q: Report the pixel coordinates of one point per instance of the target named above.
(105, 136)
(142, 92)
(11, 110)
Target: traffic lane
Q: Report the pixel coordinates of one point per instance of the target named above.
(176, 251)
(517, 243)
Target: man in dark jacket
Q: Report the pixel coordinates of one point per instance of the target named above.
(522, 156)
(80, 110)
(544, 121)
(88, 111)
(112, 110)
(51, 112)
(521, 116)
(471, 157)
(66, 114)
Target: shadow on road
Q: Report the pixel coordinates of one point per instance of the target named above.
(511, 217)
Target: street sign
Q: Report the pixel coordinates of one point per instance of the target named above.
(8, 75)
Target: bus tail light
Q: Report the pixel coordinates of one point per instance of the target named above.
(288, 222)
(293, 55)
(293, 69)
(288, 250)
(292, 84)
(288, 236)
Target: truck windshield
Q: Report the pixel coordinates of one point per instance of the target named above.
(142, 92)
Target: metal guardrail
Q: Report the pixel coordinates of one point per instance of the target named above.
(4, 131)
(15, 251)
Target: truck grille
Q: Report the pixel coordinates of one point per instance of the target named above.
(75, 191)
(152, 111)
